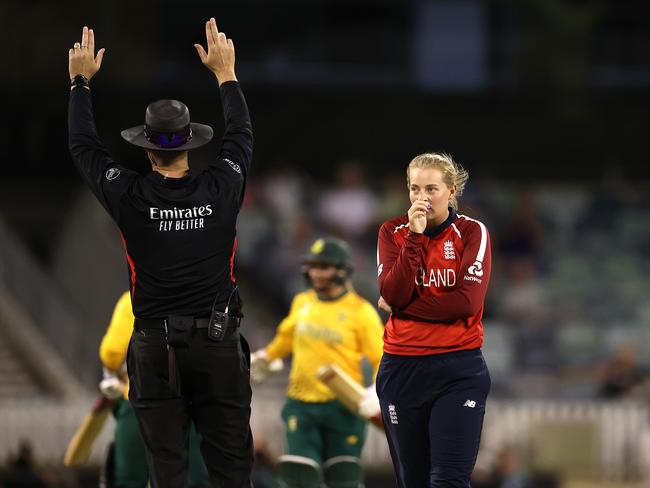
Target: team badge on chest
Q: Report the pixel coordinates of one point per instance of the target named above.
(448, 250)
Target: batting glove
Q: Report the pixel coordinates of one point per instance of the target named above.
(112, 387)
(262, 368)
(368, 406)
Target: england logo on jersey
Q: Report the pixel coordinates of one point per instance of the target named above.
(448, 251)
(392, 413)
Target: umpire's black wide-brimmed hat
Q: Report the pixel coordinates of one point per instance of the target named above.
(167, 127)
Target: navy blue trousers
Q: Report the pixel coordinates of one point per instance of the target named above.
(433, 409)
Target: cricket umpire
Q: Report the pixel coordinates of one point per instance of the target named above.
(186, 359)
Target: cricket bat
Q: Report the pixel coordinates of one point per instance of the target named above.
(346, 389)
(81, 444)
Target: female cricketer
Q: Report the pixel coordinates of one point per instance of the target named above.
(434, 269)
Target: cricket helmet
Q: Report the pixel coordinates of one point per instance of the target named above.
(329, 250)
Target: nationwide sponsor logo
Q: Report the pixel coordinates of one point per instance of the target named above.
(448, 250)
(392, 414)
(469, 403)
(173, 219)
(439, 278)
(472, 278)
(112, 173)
(234, 166)
(476, 269)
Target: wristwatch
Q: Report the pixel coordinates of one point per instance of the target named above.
(79, 80)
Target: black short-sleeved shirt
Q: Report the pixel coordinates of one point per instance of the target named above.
(179, 233)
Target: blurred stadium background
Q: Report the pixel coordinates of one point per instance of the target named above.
(545, 102)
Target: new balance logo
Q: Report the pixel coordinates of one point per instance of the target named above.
(469, 403)
(392, 413)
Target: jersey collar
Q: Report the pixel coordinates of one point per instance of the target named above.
(172, 182)
(431, 233)
(333, 299)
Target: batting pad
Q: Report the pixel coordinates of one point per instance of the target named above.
(299, 472)
(343, 472)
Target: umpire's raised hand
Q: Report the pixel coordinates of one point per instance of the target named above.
(220, 58)
(82, 59)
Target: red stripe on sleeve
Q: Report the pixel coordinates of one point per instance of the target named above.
(131, 265)
(232, 260)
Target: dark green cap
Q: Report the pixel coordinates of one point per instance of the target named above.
(329, 250)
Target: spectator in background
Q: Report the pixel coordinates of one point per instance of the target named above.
(520, 301)
(522, 297)
(622, 376)
(274, 230)
(282, 258)
(283, 195)
(22, 472)
(392, 198)
(507, 472)
(522, 235)
(349, 208)
(519, 242)
(255, 227)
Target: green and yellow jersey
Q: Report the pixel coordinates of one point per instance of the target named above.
(319, 332)
(115, 343)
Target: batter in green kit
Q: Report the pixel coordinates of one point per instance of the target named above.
(327, 324)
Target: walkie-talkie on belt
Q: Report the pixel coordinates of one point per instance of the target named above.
(220, 321)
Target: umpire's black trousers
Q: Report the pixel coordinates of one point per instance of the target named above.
(212, 388)
(433, 408)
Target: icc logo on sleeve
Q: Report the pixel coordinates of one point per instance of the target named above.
(112, 173)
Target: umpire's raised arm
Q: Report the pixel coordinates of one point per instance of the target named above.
(237, 142)
(88, 153)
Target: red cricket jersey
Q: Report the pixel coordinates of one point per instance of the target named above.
(436, 284)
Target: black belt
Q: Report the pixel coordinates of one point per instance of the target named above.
(142, 324)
